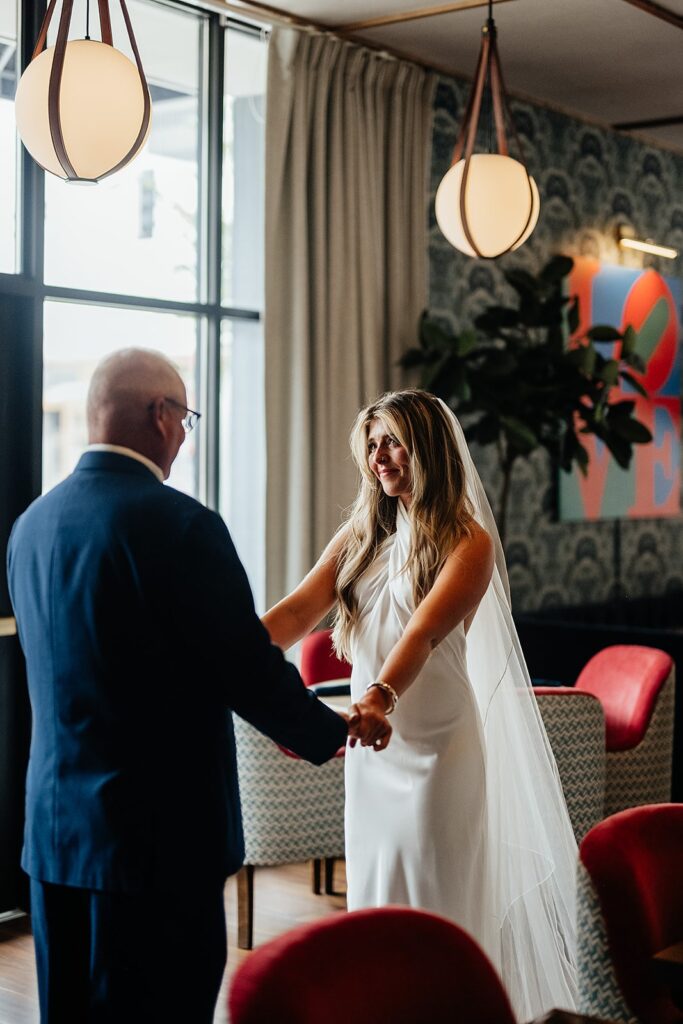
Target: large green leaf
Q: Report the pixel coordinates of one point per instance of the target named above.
(450, 381)
(573, 316)
(618, 410)
(581, 458)
(496, 318)
(573, 451)
(631, 430)
(550, 313)
(583, 357)
(621, 449)
(436, 372)
(556, 269)
(466, 343)
(500, 363)
(635, 384)
(415, 357)
(519, 434)
(603, 332)
(629, 342)
(460, 387)
(488, 429)
(609, 372)
(523, 282)
(433, 335)
(636, 361)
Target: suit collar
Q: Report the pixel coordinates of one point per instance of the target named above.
(115, 462)
(132, 454)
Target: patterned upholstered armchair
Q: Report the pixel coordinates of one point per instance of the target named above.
(292, 811)
(630, 906)
(575, 724)
(635, 686)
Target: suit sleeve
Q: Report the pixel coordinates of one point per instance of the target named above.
(232, 649)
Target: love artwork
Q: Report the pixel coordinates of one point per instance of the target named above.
(619, 296)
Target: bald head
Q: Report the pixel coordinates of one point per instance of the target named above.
(128, 405)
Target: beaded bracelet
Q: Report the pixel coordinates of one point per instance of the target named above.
(386, 688)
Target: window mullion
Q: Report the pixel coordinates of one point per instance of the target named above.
(31, 176)
(213, 251)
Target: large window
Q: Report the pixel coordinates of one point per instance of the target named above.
(166, 254)
(243, 173)
(243, 445)
(76, 338)
(8, 148)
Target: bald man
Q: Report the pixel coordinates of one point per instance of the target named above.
(139, 629)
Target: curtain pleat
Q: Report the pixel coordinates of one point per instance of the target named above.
(348, 143)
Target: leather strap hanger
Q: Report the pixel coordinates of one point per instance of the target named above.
(488, 68)
(56, 73)
(105, 21)
(54, 90)
(147, 111)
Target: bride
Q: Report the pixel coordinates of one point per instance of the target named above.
(463, 813)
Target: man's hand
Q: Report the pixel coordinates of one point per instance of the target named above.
(368, 721)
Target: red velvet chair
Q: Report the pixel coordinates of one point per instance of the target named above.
(391, 964)
(630, 906)
(635, 686)
(319, 663)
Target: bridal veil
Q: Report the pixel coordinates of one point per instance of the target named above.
(532, 845)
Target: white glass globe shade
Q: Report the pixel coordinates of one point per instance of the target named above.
(101, 103)
(497, 204)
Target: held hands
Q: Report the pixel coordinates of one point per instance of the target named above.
(368, 722)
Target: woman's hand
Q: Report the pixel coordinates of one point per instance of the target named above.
(368, 721)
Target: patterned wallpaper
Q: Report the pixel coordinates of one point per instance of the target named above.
(590, 179)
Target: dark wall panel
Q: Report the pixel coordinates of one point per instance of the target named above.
(20, 430)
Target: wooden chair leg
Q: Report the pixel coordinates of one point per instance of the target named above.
(245, 907)
(329, 876)
(317, 865)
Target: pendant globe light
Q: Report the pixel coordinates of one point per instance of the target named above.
(487, 203)
(83, 109)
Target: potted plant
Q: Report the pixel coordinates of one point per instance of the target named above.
(518, 384)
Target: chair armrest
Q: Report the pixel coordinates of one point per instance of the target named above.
(563, 1017)
(332, 688)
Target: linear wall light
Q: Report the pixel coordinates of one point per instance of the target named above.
(626, 239)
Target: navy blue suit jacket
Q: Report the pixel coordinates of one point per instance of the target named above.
(139, 630)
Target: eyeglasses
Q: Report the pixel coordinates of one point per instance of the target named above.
(191, 415)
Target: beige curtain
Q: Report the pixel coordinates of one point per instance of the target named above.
(348, 146)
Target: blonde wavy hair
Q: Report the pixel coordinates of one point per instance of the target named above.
(440, 513)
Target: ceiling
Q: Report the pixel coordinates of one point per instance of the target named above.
(605, 61)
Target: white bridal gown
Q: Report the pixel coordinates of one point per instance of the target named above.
(416, 812)
(450, 817)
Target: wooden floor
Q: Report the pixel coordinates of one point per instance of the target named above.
(283, 898)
